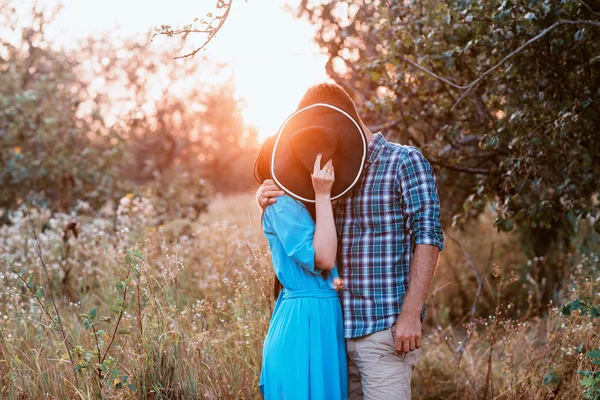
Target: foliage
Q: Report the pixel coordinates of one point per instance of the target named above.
(112, 113)
(95, 363)
(174, 122)
(591, 378)
(49, 154)
(523, 140)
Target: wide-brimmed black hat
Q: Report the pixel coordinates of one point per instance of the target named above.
(318, 128)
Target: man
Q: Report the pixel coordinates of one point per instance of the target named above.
(390, 239)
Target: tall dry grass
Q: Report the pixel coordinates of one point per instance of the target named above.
(180, 310)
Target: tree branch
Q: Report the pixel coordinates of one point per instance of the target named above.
(467, 88)
(460, 169)
(211, 31)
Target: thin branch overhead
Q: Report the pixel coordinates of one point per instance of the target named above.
(205, 26)
(467, 88)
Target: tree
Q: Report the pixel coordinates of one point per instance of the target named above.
(49, 153)
(523, 138)
(97, 121)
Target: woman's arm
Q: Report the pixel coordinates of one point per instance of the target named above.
(325, 240)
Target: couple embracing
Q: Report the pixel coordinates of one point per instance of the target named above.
(347, 215)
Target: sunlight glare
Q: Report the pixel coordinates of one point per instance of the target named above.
(270, 53)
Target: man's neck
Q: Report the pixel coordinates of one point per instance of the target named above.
(368, 134)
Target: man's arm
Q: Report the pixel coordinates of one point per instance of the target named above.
(422, 269)
(267, 194)
(421, 208)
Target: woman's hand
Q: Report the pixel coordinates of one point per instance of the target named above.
(323, 179)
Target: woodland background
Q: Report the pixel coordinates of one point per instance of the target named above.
(133, 260)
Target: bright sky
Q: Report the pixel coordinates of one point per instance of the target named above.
(271, 53)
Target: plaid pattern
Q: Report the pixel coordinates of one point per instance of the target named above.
(391, 209)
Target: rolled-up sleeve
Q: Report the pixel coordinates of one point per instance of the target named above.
(421, 204)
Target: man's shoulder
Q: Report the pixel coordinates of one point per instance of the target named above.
(401, 152)
(401, 148)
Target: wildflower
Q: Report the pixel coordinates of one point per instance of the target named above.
(129, 195)
(338, 284)
(17, 150)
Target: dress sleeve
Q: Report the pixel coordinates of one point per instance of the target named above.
(291, 222)
(420, 200)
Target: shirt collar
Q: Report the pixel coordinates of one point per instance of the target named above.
(375, 146)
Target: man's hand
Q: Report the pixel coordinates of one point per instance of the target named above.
(408, 333)
(267, 193)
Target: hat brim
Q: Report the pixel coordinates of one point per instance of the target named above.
(348, 161)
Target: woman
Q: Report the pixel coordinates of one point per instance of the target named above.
(304, 355)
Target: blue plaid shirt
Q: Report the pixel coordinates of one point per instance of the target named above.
(392, 208)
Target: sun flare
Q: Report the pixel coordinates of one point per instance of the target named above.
(270, 54)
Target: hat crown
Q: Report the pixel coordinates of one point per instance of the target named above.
(307, 143)
(318, 128)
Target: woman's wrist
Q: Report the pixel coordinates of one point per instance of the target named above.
(322, 196)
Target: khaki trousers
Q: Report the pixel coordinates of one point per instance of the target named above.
(376, 371)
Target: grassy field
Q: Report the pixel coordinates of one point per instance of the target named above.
(122, 306)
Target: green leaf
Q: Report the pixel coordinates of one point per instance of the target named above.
(39, 293)
(588, 381)
(576, 305)
(29, 281)
(579, 34)
(489, 142)
(594, 353)
(131, 386)
(551, 378)
(594, 312)
(375, 76)
(93, 312)
(124, 332)
(22, 271)
(566, 310)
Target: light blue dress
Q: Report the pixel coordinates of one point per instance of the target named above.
(304, 356)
